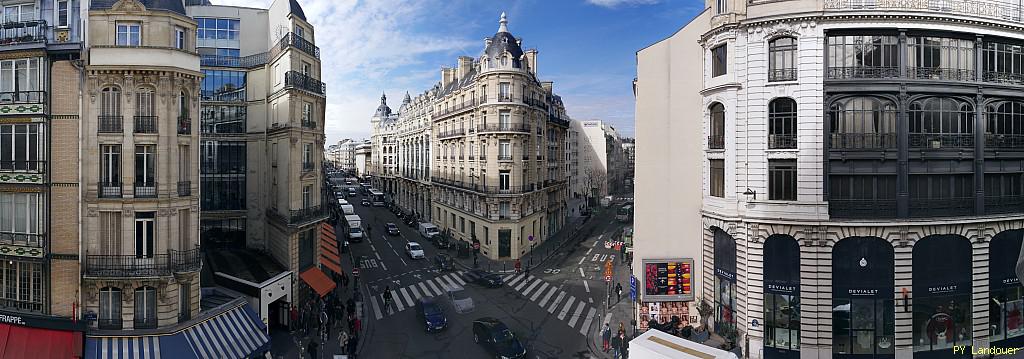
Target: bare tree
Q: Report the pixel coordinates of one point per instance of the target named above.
(593, 179)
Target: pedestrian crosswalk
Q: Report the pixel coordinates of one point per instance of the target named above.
(406, 297)
(577, 313)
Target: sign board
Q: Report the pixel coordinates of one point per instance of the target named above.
(668, 280)
(608, 268)
(355, 272)
(632, 288)
(531, 238)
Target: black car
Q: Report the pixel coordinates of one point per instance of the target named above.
(432, 315)
(484, 278)
(443, 262)
(497, 338)
(392, 228)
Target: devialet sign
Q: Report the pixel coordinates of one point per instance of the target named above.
(966, 7)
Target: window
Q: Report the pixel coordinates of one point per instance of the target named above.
(1004, 192)
(782, 180)
(940, 58)
(503, 210)
(717, 182)
(217, 29)
(223, 85)
(145, 308)
(719, 60)
(129, 34)
(306, 200)
(504, 180)
(862, 123)
(782, 59)
(716, 140)
(185, 231)
(179, 38)
(1004, 125)
(942, 308)
(862, 56)
(20, 75)
(223, 119)
(20, 218)
(721, 6)
(782, 123)
(307, 69)
(145, 234)
(782, 292)
(22, 147)
(61, 15)
(504, 149)
(1006, 296)
(110, 308)
(110, 233)
(299, 31)
(110, 166)
(145, 171)
(949, 194)
(941, 122)
(725, 280)
(1003, 63)
(862, 195)
(19, 13)
(504, 91)
(184, 302)
(110, 102)
(863, 312)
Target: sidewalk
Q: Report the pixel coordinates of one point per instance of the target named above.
(619, 312)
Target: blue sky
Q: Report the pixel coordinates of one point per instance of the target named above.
(587, 47)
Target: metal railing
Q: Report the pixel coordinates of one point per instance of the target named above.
(782, 74)
(536, 103)
(506, 127)
(941, 140)
(234, 61)
(303, 82)
(184, 188)
(110, 124)
(558, 121)
(144, 323)
(459, 107)
(782, 141)
(716, 142)
(862, 141)
(476, 187)
(1003, 77)
(22, 239)
(296, 41)
(1004, 204)
(145, 124)
(504, 97)
(310, 124)
(308, 214)
(940, 73)
(22, 97)
(862, 208)
(864, 72)
(23, 166)
(504, 157)
(1000, 141)
(121, 265)
(109, 190)
(993, 9)
(184, 126)
(951, 206)
(451, 133)
(145, 189)
(110, 323)
(12, 33)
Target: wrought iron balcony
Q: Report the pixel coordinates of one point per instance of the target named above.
(1003, 77)
(782, 74)
(558, 121)
(451, 133)
(862, 141)
(782, 141)
(504, 157)
(504, 97)
(459, 107)
(862, 208)
(503, 127)
(116, 265)
(941, 140)
(184, 126)
(22, 239)
(1004, 142)
(146, 124)
(233, 61)
(310, 124)
(110, 124)
(184, 188)
(22, 97)
(110, 323)
(109, 190)
(145, 189)
(941, 207)
(144, 322)
(536, 103)
(716, 142)
(21, 32)
(1004, 204)
(23, 166)
(940, 73)
(309, 214)
(863, 72)
(296, 41)
(300, 81)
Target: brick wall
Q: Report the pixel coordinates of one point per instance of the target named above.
(64, 189)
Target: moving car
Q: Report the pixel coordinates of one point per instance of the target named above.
(432, 315)
(365, 202)
(495, 336)
(392, 228)
(428, 230)
(461, 300)
(484, 278)
(351, 192)
(414, 250)
(443, 262)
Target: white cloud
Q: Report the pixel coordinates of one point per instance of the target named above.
(616, 3)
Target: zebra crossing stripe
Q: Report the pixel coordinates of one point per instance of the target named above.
(555, 303)
(523, 283)
(426, 293)
(434, 287)
(415, 293)
(586, 323)
(565, 309)
(512, 279)
(576, 316)
(451, 280)
(397, 301)
(505, 280)
(458, 279)
(534, 285)
(548, 296)
(376, 308)
(408, 299)
(539, 292)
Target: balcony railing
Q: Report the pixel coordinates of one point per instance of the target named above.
(838, 73)
(536, 102)
(184, 188)
(782, 141)
(476, 187)
(233, 61)
(145, 189)
(110, 323)
(303, 82)
(459, 107)
(782, 74)
(503, 127)
(310, 124)
(109, 190)
(451, 133)
(145, 124)
(144, 322)
(863, 141)
(184, 126)
(504, 97)
(862, 208)
(116, 265)
(504, 157)
(21, 32)
(23, 166)
(110, 124)
(940, 73)
(296, 41)
(1004, 142)
(22, 97)
(716, 142)
(941, 207)
(558, 121)
(306, 215)
(941, 140)
(1003, 77)
(1004, 204)
(22, 239)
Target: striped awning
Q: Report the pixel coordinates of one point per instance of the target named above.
(329, 256)
(233, 330)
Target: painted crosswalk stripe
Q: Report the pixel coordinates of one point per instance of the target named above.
(397, 301)
(457, 278)
(524, 282)
(415, 293)
(586, 323)
(506, 279)
(515, 278)
(554, 304)
(426, 292)
(565, 309)
(539, 292)
(434, 288)
(534, 285)
(408, 299)
(443, 284)
(548, 296)
(376, 308)
(448, 282)
(576, 316)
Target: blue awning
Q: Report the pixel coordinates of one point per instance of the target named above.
(233, 330)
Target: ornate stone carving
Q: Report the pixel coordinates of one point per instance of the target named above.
(128, 6)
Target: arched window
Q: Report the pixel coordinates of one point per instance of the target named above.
(725, 281)
(716, 140)
(781, 295)
(941, 122)
(110, 110)
(942, 293)
(863, 312)
(145, 111)
(782, 123)
(782, 59)
(110, 308)
(862, 123)
(1004, 125)
(145, 308)
(1006, 304)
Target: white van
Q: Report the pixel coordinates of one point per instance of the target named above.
(348, 209)
(428, 230)
(342, 201)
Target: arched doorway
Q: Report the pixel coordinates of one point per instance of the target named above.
(781, 297)
(863, 315)
(942, 296)
(1006, 294)
(725, 281)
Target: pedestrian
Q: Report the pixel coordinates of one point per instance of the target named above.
(606, 335)
(617, 346)
(618, 292)
(311, 349)
(353, 342)
(342, 340)
(622, 328)
(293, 316)
(518, 266)
(358, 325)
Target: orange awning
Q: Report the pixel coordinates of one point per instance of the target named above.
(329, 256)
(317, 280)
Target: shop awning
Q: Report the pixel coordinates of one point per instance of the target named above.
(317, 280)
(329, 256)
(233, 330)
(27, 342)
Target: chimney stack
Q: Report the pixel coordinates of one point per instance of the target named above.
(446, 76)
(465, 66)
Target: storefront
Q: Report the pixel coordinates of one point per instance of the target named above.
(30, 336)
(1005, 298)
(863, 314)
(725, 282)
(781, 297)
(942, 296)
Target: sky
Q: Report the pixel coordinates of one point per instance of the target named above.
(586, 47)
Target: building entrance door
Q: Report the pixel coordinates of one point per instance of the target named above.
(504, 242)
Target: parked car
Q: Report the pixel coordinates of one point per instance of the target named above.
(484, 278)
(414, 250)
(428, 230)
(441, 241)
(392, 229)
(365, 202)
(432, 314)
(351, 192)
(443, 262)
(460, 299)
(495, 336)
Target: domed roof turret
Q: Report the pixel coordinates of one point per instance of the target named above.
(502, 42)
(383, 111)
(407, 99)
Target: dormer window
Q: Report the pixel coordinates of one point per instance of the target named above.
(129, 34)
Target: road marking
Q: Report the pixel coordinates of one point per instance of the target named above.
(530, 288)
(434, 287)
(457, 278)
(505, 280)
(374, 248)
(582, 259)
(408, 299)
(591, 300)
(595, 242)
(523, 283)
(415, 293)
(539, 292)
(596, 256)
(397, 301)
(565, 309)
(590, 250)
(382, 265)
(554, 304)
(586, 323)
(376, 308)
(548, 296)
(426, 293)
(378, 256)
(607, 318)
(586, 286)
(448, 282)
(611, 258)
(581, 273)
(576, 316)
(599, 238)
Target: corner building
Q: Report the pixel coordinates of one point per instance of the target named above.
(863, 165)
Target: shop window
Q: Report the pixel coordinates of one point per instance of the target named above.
(863, 315)
(942, 293)
(725, 282)
(1006, 296)
(782, 294)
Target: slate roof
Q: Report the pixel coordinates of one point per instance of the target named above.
(175, 6)
(296, 9)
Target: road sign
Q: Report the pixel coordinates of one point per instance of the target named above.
(632, 288)
(531, 238)
(355, 272)
(608, 271)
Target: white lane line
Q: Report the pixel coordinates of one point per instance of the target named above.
(576, 316)
(557, 300)
(582, 259)
(434, 287)
(586, 323)
(374, 248)
(397, 301)
(378, 256)
(382, 265)
(408, 299)
(539, 292)
(565, 309)
(415, 293)
(586, 286)
(591, 300)
(581, 273)
(523, 283)
(530, 288)
(426, 293)
(376, 308)
(589, 250)
(457, 279)
(599, 238)
(548, 296)
(595, 243)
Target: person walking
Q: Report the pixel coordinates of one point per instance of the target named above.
(387, 297)
(342, 341)
(617, 346)
(618, 292)
(518, 266)
(606, 335)
(293, 318)
(325, 326)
